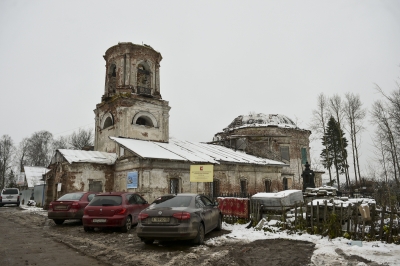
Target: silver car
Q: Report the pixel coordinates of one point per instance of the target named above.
(179, 217)
(10, 196)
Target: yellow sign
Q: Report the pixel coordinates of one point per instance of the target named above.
(201, 173)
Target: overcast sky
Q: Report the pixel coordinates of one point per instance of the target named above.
(221, 59)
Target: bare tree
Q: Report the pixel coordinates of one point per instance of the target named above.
(381, 118)
(39, 148)
(320, 117)
(354, 114)
(78, 140)
(61, 143)
(6, 154)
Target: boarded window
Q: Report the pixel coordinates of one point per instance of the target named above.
(267, 185)
(174, 185)
(285, 153)
(303, 155)
(95, 186)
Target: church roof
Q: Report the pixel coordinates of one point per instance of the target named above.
(80, 156)
(190, 151)
(261, 120)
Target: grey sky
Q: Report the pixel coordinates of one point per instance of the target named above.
(220, 58)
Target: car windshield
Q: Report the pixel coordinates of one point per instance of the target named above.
(10, 191)
(71, 196)
(175, 201)
(106, 201)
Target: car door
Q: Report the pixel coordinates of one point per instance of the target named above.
(206, 213)
(213, 210)
(136, 205)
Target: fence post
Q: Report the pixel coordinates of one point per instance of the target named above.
(348, 217)
(390, 224)
(382, 221)
(295, 215)
(341, 218)
(312, 217)
(318, 226)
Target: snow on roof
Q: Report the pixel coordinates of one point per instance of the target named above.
(190, 151)
(261, 120)
(33, 175)
(279, 194)
(79, 156)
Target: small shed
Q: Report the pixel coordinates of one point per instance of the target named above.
(33, 185)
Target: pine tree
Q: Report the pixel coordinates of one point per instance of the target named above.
(333, 154)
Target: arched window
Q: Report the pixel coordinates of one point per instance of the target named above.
(144, 121)
(108, 121)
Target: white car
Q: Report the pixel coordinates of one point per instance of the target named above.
(10, 196)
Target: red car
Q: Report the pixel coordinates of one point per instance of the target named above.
(69, 206)
(113, 209)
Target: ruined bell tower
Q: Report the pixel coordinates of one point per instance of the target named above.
(131, 105)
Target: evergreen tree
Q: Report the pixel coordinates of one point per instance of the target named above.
(334, 153)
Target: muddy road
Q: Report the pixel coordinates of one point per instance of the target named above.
(111, 247)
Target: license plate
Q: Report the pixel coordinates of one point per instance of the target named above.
(61, 207)
(160, 219)
(99, 220)
(9, 197)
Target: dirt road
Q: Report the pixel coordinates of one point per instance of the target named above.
(41, 240)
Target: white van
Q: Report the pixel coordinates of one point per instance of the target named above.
(9, 196)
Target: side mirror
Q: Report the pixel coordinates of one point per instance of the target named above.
(216, 203)
(20, 194)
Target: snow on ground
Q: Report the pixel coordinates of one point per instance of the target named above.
(326, 250)
(382, 253)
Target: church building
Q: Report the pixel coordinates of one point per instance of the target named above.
(133, 150)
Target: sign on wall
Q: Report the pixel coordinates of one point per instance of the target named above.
(21, 178)
(201, 173)
(132, 180)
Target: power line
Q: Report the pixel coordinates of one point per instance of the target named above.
(73, 129)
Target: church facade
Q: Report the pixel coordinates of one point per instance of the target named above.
(132, 148)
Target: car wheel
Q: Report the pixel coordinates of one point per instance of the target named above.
(148, 241)
(88, 229)
(199, 240)
(18, 204)
(1, 205)
(127, 226)
(58, 221)
(219, 225)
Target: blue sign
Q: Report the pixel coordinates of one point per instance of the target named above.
(132, 180)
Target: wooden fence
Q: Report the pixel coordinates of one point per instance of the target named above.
(325, 219)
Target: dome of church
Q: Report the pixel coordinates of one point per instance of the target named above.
(261, 120)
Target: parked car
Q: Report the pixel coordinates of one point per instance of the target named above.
(113, 209)
(179, 217)
(69, 206)
(10, 196)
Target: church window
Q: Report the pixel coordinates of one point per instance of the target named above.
(243, 187)
(267, 183)
(108, 122)
(303, 155)
(285, 183)
(144, 121)
(285, 153)
(112, 78)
